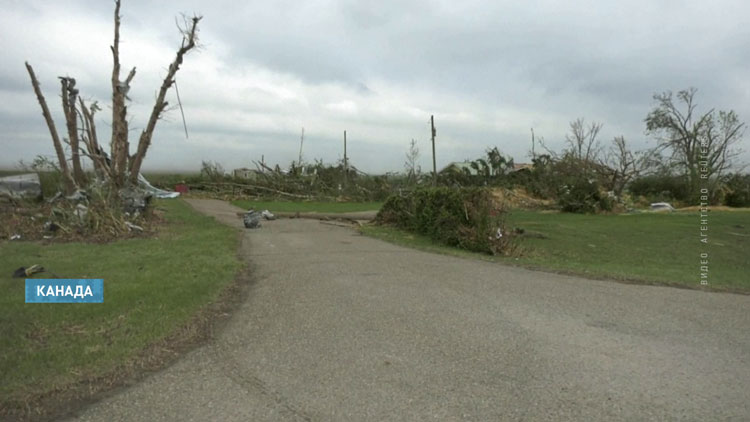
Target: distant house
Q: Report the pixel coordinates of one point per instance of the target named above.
(522, 167)
(245, 173)
(459, 167)
(465, 166)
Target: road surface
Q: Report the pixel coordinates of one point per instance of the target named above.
(341, 327)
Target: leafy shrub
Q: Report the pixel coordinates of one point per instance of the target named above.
(661, 187)
(467, 218)
(737, 188)
(582, 195)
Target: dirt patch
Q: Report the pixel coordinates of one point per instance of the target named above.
(65, 400)
(519, 198)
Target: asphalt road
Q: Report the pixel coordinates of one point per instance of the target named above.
(341, 327)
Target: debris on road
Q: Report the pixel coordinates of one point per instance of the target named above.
(267, 215)
(251, 219)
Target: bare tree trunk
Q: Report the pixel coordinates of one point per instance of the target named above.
(95, 152)
(69, 95)
(188, 42)
(70, 185)
(119, 143)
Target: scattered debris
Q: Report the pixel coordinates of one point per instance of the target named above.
(22, 272)
(51, 226)
(662, 206)
(132, 226)
(77, 196)
(21, 186)
(267, 215)
(81, 212)
(135, 201)
(251, 219)
(159, 193)
(15, 237)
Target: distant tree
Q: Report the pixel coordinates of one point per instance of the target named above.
(492, 165)
(410, 165)
(583, 145)
(701, 146)
(623, 162)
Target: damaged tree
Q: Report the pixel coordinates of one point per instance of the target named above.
(120, 168)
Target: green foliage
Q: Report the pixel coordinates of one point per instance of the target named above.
(737, 188)
(582, 195)
(661, 187)
(467, 218)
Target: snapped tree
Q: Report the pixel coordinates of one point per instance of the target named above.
(702, 146)
(120, 168)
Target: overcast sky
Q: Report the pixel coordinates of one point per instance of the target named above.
(488, 70)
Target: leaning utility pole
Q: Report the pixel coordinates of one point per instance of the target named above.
(346, 164)
(301, 139)
(434, 167)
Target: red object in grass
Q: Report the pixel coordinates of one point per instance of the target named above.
(182, 188)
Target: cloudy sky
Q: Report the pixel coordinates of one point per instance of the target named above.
(488, 70)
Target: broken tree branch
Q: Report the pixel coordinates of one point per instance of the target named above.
(119, 142)
(188, 42)
(68, 181)
(69, 94)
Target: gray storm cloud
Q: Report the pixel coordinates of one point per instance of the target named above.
(488, 71)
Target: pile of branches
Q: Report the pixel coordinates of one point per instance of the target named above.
(300, 182)
(467, 218)
(82, 216)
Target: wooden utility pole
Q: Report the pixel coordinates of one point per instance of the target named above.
(434, 166)
(301, 139)
(533, 154)
(346, 163)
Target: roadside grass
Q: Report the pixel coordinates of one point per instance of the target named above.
(649, 247)
(311, 206)
(152, 288)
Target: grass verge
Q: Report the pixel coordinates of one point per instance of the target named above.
(309, 206)
(647, 248)
(156, 295)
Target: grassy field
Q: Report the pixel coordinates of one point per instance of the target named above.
(323, 207)
(152, 287)
(651, 248)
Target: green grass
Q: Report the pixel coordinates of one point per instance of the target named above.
(321, 207)
(652, 248)
(151, 287)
